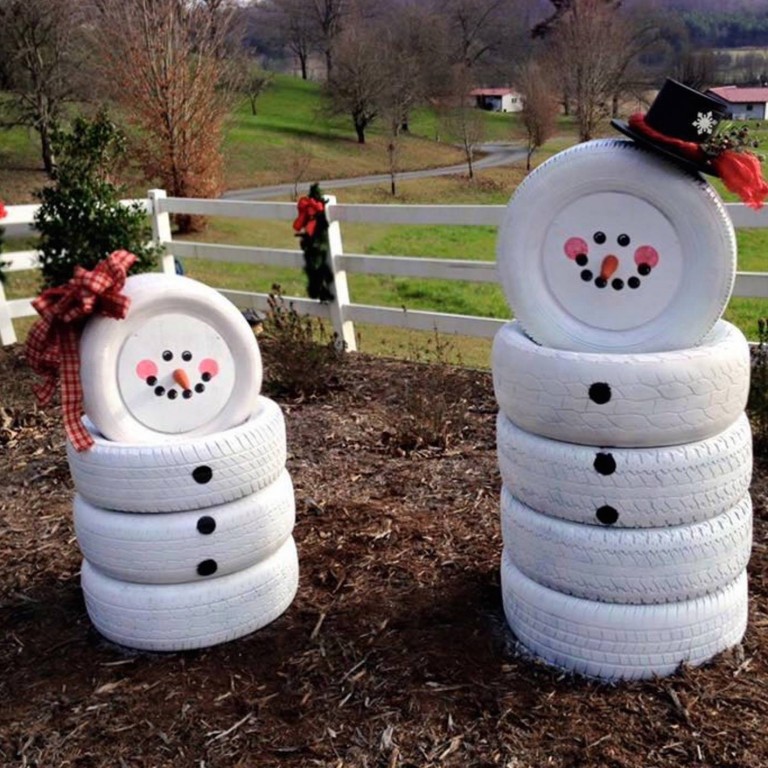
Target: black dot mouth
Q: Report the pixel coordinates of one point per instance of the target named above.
(617, 284)
(173, 393)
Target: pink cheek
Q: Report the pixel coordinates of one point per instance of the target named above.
(646, 254)
(209, 366)
(145, 369)
(575, 246)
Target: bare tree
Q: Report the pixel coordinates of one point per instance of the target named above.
(294, 23)
(255, 81)
(358, 79)
(299, 162)
(593, 47)
(165, 62)
(540, 107)
(39, 62)
(462, 120)
(329, 15)
(415, 61)
(477, 28)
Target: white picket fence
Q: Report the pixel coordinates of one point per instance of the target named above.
(342, 312)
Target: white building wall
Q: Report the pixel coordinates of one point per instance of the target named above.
(744, 112)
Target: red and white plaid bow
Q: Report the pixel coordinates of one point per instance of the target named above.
(52, 348)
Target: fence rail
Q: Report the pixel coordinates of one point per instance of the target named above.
(342, 312)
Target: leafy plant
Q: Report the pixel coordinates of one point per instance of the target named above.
(757, 405)
(81, 220)
(300, 357)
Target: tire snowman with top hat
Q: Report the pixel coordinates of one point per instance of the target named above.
(184, 509)
(623, 446)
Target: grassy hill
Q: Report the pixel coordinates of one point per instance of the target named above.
(291, 128)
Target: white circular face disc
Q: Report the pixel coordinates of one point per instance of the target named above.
(612, 260)
(609, 247)
(175, 373)
(182, 363)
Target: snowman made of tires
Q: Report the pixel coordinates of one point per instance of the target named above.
(184, 509)
(623, 446)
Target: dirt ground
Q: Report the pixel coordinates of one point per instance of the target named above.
(395, 651)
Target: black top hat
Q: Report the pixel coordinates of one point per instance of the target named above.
(681, 114)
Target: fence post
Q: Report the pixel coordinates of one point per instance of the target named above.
(344, 328)
(161, 229)
(7, 332)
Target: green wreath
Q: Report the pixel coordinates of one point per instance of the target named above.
(311, 226)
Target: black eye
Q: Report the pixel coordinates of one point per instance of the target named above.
(187, 356)
(599, 237)
(167, 355)
(623, 240)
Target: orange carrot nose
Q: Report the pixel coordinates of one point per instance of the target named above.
(608, 267)
(181, 378)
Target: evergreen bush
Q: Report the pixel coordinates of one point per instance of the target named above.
(81, 220)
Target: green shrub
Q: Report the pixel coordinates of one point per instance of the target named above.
(300, 357)
(81, 220)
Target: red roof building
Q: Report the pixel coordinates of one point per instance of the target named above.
(497, 99)
(745, 103)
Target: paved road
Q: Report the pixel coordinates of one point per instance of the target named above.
(493, 155)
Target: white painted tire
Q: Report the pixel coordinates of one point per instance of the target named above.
(177, 547)
(629, 400)
(201, 472)
(612, 205)
(176, 617)
(627, 487)
(200, 332)
(626, 565)
(621, 642)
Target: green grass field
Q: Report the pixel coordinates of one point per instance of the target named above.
(291, 124)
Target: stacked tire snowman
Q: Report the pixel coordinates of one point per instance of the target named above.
(623, 446)
(184, 509)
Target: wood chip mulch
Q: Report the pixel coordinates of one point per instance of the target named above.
(395, 651)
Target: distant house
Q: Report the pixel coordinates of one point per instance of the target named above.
(497, 99)
(744, 103)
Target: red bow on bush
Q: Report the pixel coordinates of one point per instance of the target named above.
(52, 348)
(308, 209)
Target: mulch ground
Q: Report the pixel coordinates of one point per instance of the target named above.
(395, 651)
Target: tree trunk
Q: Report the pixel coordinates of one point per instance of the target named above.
(49, 161)
(360, 131)
(303, 65)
